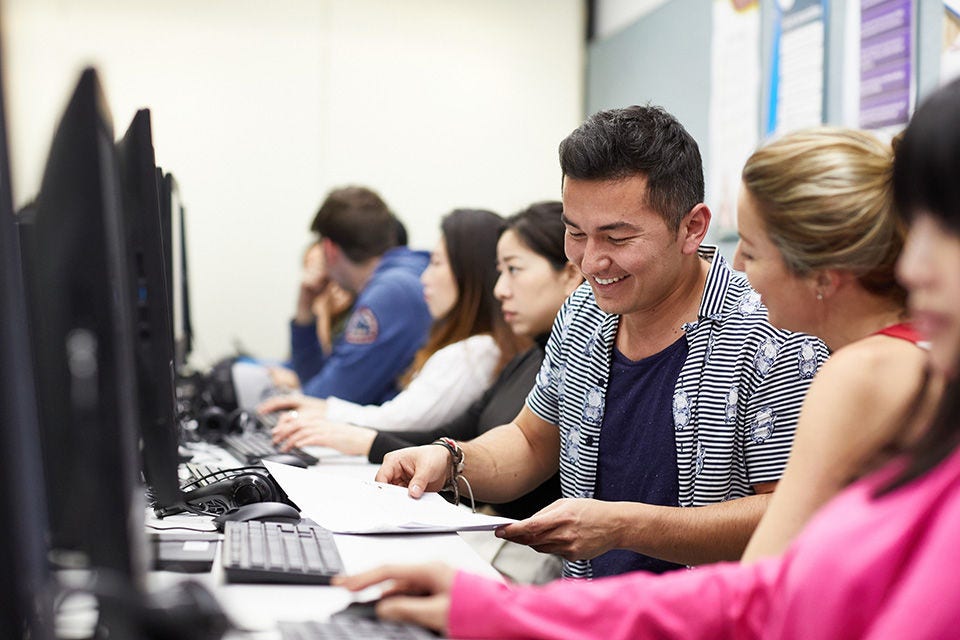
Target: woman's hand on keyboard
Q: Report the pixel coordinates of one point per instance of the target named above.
(419, 594)
(293, 402)
(293, 431)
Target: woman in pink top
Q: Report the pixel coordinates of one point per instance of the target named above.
(879, 561)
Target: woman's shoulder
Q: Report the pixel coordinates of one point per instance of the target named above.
(471, 347)
(874, 372)
(878, 354)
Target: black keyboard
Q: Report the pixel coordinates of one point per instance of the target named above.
(279, 552)
(353, 628)
(269, 420)
(251, 446)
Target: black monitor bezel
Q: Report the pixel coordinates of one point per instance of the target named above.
(150, 295)
(75, 267)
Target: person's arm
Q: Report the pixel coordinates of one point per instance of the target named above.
(329, 308)
(292, 402)
(722, 601)
(502, 464)
(580, 529)
(846, 419)
(346, 438)
(306, 353)
(449, 381)
(463, 427)
(357, 440)
(496, 406)
(385, 328)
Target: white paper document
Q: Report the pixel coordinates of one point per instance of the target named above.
(345, 504)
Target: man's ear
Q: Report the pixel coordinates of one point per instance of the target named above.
(693, 229)
(331, 252)
(572, 277)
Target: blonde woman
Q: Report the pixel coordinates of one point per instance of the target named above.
(819, 241)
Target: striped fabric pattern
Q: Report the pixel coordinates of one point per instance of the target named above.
(735, 404)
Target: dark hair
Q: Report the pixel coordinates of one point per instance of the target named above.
(639, 140)
(358, 221)
(540, 228)
(925, 179)
(401, 232)
(471, 237)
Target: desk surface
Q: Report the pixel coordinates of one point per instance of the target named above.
(259, 607)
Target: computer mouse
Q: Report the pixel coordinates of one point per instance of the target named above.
(262, 511)
(285, 458)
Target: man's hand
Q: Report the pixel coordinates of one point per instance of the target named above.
(425, 468)
(574, 528)
(313, 282)
(420, 594)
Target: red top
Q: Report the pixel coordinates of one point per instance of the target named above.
(904, 331)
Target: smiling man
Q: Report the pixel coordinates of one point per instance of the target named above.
(666, 399)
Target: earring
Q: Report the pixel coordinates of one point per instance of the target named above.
(819, 296)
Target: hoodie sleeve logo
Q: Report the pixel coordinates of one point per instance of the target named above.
(362, 327)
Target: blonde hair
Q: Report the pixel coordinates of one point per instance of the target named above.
(825, 196)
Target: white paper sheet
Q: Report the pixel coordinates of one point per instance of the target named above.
(345, 504)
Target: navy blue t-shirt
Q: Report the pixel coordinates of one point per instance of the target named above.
(638, 456)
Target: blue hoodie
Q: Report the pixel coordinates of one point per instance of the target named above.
(388, 324)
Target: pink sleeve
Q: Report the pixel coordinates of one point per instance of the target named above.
(720, 601)
(923, 602)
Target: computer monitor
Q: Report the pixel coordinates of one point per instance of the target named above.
(184, 339)
(24, 579)
(166, 228)
(173, 225)
(80, 319)
(175, 239)
(151, 323)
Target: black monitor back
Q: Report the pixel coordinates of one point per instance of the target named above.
(80, 315)
(175, 244)
(185, 339)
(25, 610)
(152, 314)
(166, 228)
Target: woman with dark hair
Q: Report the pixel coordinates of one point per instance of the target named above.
(468, 344)
(878, 561)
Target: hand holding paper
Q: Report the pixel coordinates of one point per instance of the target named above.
(348, 505)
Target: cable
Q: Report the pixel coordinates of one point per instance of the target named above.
(176, 528)
(206, 512)
(233, 471)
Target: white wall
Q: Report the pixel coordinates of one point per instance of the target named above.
(260, 108)
(614, 15)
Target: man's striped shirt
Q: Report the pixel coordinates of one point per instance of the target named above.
(735, 404)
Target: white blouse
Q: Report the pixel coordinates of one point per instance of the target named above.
(450, 381)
